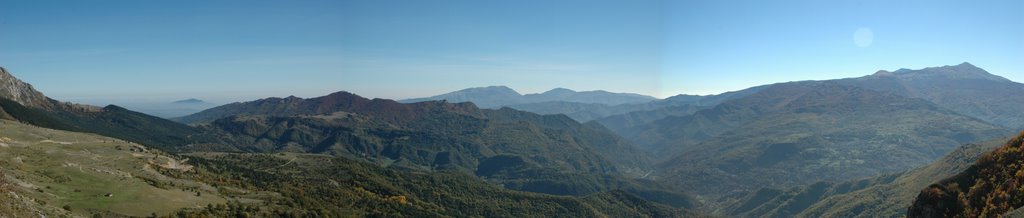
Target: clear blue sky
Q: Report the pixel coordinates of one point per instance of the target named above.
(96, 51)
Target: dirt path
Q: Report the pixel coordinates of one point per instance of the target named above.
(56, 142)
(285, 164)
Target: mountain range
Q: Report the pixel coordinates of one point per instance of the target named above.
(703, 143)
(425, 132)
(501, 96)
(379, 142)
(550, 154)
(854, 147)
(585, 106)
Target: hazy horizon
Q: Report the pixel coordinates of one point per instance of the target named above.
(118, 52)
(148, 102)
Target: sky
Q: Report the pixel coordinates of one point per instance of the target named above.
(103, 52)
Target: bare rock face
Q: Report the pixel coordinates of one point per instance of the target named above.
(21, 92)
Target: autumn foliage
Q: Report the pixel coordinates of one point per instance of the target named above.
(989, 188)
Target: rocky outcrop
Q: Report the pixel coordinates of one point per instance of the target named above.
(21, 92)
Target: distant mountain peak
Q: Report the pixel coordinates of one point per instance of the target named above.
(902, 70)
(965, 67)
(963, 70)
(495, 88)
(189, 101)
(488, 97)
(337, 98)
(490, 90)
(964, 88)
(559, 91)
(342, 94)
(883, 73)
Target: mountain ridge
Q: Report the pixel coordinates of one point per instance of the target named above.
(460, 118)
(787, 135)
(21, 92)
(551, 154)
(964, 88)
(500, 96)
(337, 101)
(112, 120)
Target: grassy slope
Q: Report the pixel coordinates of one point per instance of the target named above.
(49, 169)
(59, 168)
(12, 204)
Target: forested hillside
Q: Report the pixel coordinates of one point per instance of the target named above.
(989, 188)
